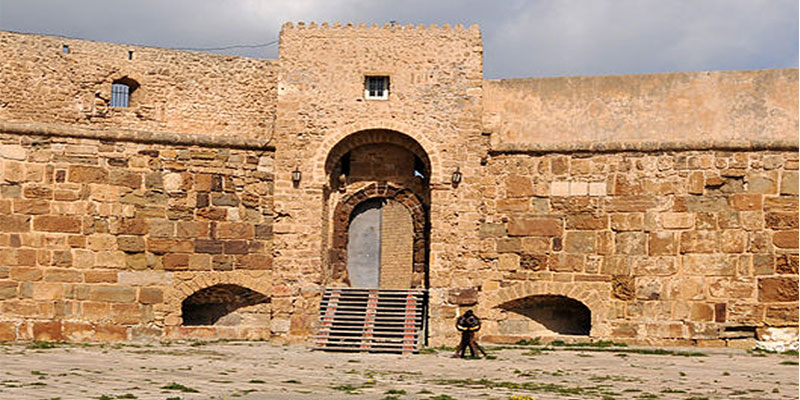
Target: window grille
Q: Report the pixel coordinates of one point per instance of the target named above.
(120, 95)
(376, 88)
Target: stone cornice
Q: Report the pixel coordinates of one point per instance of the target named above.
(136, 136)
(648, 147)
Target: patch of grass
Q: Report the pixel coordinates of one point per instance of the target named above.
(294, 381)
(38, 373)
(647, 396)
(789, 362)
(39, 345)
(256, 381)
(529, 342)
(349, 389)
(532, 352)
(395, 391)
(668, 390)
(442, 397)
(529, 386)
(599, 344)
(390, 397)
(178, 386)
(657, 352)
(127, 396)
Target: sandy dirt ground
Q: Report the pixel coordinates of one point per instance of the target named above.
(260, 370)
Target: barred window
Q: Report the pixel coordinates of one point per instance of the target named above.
(376, 88)
(120, 95)
(121, 92)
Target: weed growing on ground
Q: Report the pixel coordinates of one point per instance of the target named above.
(789, 362)
(256, 381)
(178, 386)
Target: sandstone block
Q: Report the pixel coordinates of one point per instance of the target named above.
(62, 275)
(508, 262)
(13, 152)
(597, 188)
(47, 331)
(659, 266)
(519, 186)
(781, 220)
(687, 288)
(702, 312)
(587, 222)
(15, 223)
(112, 294)
(57, 223)
(253, 261)
(8, 332)
(174, 262)
(463, 296)
(193, 229)
(47, 291)
(100, 276)
(746, 202)
(677, 220)
(486, 230)
(512, 205)
(580, 242)
(565, 262)
(627, 222)
(699, 242)
(533, 262)
(763, 184)
(709, 264)
(786, 264)
(777, 289)
(161, 229)
(87, 174)
(696, 183)
(235, 230)
(8, 289)
(522, 226)
(559, 188)
(130, 244)
(110, 333)
(26, 274)
(789, 182)
(31, 207)
(630, 243)
(662, 244)
(785, 239)
(781, 315)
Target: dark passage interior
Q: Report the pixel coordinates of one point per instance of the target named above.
(209, 305)
(559, 314)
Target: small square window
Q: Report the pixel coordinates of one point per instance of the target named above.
(376, 88)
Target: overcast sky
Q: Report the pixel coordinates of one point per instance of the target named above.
(533, 38)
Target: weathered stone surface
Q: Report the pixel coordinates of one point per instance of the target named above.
(785, 239)
(521, 226)
(777, 289)
(87, 174)
(786, 264)
(709, 264)
(627, 222)
(112, 294)
(662, 244)
(519, 186)
(57, 223)
(699, 242)
(789, 182)
(630, 243)
(587, 222)
(580, 242)
(463, 297)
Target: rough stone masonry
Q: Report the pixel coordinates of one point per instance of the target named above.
(218, 204)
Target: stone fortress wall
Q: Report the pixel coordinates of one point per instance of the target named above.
(666, 205)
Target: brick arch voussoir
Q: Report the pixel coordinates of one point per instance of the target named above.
(318, 174)
(588, 294)
(177, 293)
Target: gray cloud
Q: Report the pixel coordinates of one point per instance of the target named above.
(521, 38)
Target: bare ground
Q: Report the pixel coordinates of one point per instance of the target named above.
(260, 370)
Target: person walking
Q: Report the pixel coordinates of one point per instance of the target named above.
(468, 324)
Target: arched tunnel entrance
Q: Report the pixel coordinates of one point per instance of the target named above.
(223, 304)
(544, 315)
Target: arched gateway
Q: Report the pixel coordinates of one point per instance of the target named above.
(378, 196)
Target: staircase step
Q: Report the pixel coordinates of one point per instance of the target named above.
(372, 320)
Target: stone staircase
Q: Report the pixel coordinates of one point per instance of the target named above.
(371, 320)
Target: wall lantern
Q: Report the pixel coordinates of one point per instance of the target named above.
(296, 176)
(456, 178)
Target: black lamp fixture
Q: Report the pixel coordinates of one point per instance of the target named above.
(456, 178)
(296, 176)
